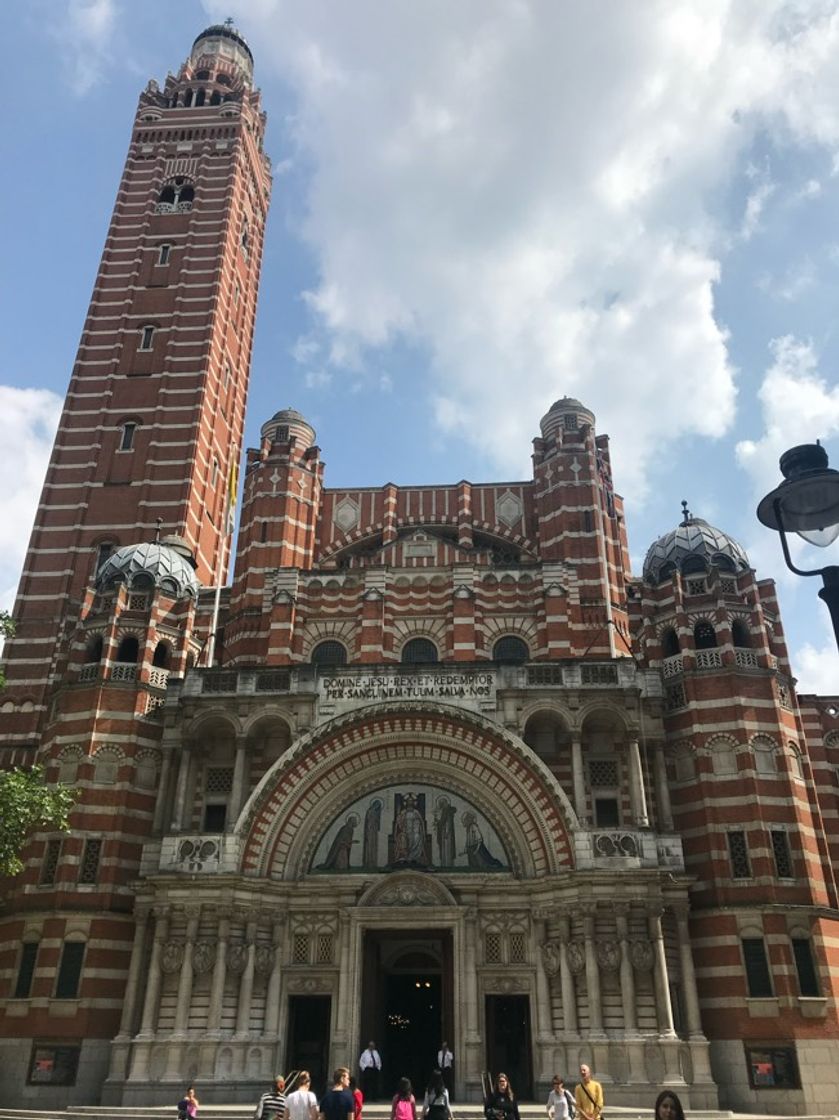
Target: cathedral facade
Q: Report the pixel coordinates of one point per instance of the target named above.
(435, 765)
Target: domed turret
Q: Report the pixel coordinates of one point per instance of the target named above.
(288, 424)
(222, 43)
(693, 546)
(566, 413)
(150, 564)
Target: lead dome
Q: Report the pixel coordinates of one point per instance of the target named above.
(693, 546)
(140, 566)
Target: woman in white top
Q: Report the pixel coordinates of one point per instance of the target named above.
(302, 1104)
(435, 1105)
(558, 1101)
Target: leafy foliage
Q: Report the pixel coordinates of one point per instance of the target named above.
(27, 803)
(7, 629)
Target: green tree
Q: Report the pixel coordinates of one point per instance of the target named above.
(7, 629)
(27, 803)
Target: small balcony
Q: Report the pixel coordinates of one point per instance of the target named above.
(622, 849)
(193, 854)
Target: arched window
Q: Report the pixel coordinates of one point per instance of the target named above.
(187, 98)
(740, 634)
(202, 75)
(419, 651)
(329, 653)
(704, 635)
(104, 551)
(215, 98)
(510, 651)
(70, 970)
(199, 98)
(128, 651)
(161, 655)
(93, 650)
(129, 429)
(176, 197)
(670, 643)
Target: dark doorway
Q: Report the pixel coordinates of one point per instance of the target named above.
(407, 1002)
(308, 1038)
(508, 1042)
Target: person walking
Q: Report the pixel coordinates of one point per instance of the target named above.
(358, 1098)
(370, 1067)
(272, 1104)
(560, 1104)
(501, 1103)
(588, 1096)
(337, 1103)
(436, 1105)
(404, 1104)
(302, 1104)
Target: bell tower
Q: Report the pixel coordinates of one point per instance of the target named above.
(153, 421)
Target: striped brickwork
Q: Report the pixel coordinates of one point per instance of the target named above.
(166, 347)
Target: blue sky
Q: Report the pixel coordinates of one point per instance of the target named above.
(477, 209)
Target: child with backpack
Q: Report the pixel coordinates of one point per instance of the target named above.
(188, 1106)
(404, 1105)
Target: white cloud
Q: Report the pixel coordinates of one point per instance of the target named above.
(28, 419)
(797, 406)
(85, 30)
(817, 665)
(526, 190)
(792, 285)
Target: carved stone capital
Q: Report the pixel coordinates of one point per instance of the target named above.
(576, 956)
(264, 959)
(203, 957)
(608, 955)
(641, 955)
(172, 957)
(237, 957)
(550, 957)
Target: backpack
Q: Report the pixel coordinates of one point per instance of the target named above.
(183, 1114)
(572, 1110)
(404, 1109)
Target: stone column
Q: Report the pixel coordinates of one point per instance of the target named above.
(595, 1007)
(578, 780)
(627, 972)
(121, 1045)
(239, 773)
(662, 985)
(182, 787)
(193, 914)
(345, 978)
(148, 1024)
(637, 792)
(663, 789)
(243, 1011)
(569, 994)
(544, 1017)
(693, 1017)
(163, 789)
(219, 975)
(470, 970)
(272, 994)
(132, 984)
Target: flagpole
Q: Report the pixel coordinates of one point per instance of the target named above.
(229, 522)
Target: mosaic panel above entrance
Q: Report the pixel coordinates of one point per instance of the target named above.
(414, 826)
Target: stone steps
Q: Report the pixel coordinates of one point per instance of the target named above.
(468, 1111)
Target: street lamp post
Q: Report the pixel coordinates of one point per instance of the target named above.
(807, 503)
